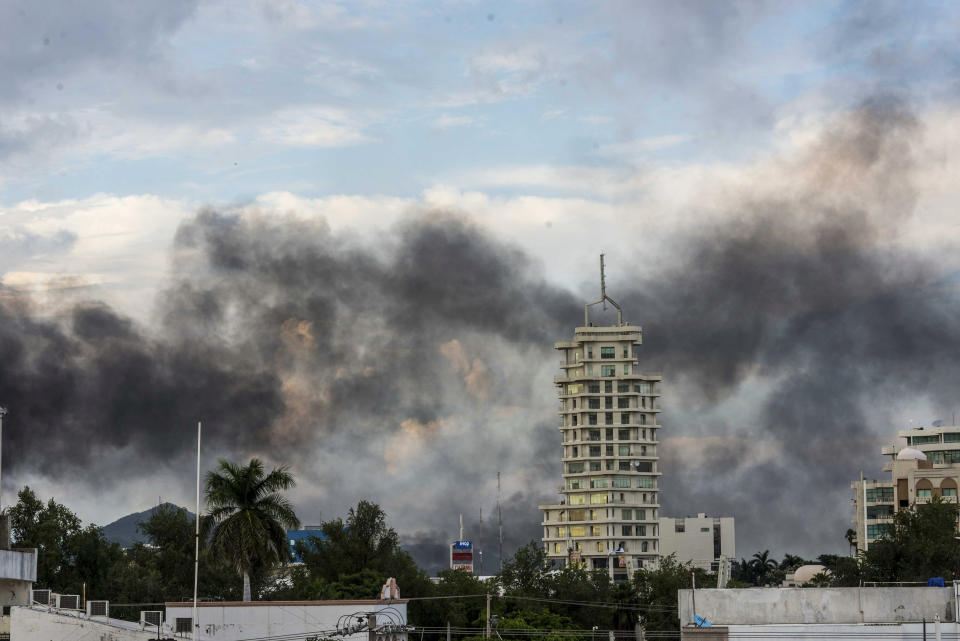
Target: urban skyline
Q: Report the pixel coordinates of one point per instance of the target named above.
(345, 236)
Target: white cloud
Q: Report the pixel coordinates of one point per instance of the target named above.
(446, 121)
(314, 127)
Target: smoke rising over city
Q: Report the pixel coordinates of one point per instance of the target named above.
(792, 329)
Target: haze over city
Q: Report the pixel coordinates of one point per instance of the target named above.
(345, 236)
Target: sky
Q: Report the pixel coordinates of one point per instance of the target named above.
(345, 236)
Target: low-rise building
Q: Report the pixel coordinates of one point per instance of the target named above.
(702, 540)
(824, 613)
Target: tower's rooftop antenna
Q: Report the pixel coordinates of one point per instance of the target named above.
(603, 299)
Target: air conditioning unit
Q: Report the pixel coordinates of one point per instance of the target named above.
(151, 618)
(68, 601)
(98, 608)
(40, 597)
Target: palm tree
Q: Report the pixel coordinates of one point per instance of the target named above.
(851, 537)
(250, 515)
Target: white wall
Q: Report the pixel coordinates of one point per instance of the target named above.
(19, 565)
(693, 544)
(236, 620)
(759, 606)
(35, 624)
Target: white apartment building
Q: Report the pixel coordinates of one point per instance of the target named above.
(928, 466)
(607, 516)
(702, 540)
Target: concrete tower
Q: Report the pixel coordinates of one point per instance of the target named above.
(607, 516)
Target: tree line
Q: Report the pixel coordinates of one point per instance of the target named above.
(244, 554)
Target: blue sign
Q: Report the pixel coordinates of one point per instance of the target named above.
(463, 545)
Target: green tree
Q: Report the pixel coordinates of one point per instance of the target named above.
(920, 545)
(526, 573)
(250, 515)
(657, 591)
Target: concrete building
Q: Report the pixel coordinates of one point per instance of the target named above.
(357, 620)
(607, 516)
(927, 465)
(824, 613)
(701, 540)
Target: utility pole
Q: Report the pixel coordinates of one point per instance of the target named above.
(500, 525)
(3, 412)
(488, 616)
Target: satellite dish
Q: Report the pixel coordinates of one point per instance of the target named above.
(937, 423)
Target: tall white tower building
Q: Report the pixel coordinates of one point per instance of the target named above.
(607, 516)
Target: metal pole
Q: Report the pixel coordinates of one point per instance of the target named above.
(3, 411)
(448, 631)
(866, 537)
(488, 616)
(196, 550)
(693, 596)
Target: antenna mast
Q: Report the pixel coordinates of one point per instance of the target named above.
(3, 412)
(499, 525)
(603, 299)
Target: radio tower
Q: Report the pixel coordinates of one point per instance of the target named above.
(499, 525)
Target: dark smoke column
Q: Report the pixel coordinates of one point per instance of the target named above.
(608, 408)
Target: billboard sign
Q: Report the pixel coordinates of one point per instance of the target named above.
(461, 555)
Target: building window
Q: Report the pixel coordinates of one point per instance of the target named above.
(594, 450)
(598, 498)
(594, 403)
(595, 530)
(644, 388)
(641, 515)
(625, 418)
(574, 468)
(623, 402)
(575, 484)
(641, 530)
(643, 546)
(598, 483)
(578, 530)
(589, 369)
(609, 450)
(924, 494)
(644, 466)
(626, 369)
(627, 515)
(609, 433)
(880, 511)
(574, 388)
(599, 546)
(590, 351)
(608, 352)
(948, 491)
(623, 387)
(608, 386)
(608, 370)
(592, 418)
(609, 466)
(951, 437)
(574, 420)
(623, 466)
(645, 482)
(623, 435)
(594, 435)
(578, 515)
(608, 418)
(595, 466)
(623, 450)
(643, 419)
(608, 403)
(578, 499)
(679, 525)
(627, 530)
(879, 530)
(558, 548)
(576, 451)
(643, 450)
(593, 388)
(621, 481)
(626, 352)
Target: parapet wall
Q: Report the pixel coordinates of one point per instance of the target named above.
(759, 606)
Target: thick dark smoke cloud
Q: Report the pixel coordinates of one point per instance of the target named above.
(791, 330)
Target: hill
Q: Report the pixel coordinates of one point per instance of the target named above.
(124, 530)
